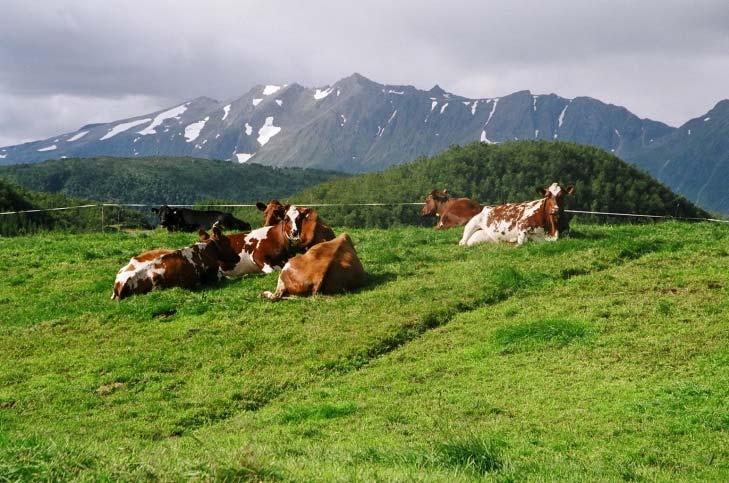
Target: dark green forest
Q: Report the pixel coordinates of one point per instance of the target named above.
(159, 180)
(17, 198)
(496, 174)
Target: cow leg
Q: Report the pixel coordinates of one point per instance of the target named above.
(521, 238)
(471, 227)
(279, 293)
(480, 236)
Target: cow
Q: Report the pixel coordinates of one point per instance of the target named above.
(273, 212)
(185, 219)
(329, 267)
(451, 212)
(519, 222)
(202, 262)
(317, 231)
(268, 248)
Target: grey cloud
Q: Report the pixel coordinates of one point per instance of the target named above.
(668, 60)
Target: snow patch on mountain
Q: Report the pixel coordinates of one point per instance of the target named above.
(249, 129)
(392, 117)
(77, 136)
(49, 148)
(267, 131)
(193, 130)
(321, 94)
(473, 108)
(491, 114)
(173, 113)
(226, 111)
(484, 139)
(256, 101)
(243, 157)
(120, 128)
(432, 105)
(560, 120)
(268, 90)
(279, 102)
(443, 108)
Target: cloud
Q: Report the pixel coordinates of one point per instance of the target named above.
(664, 59)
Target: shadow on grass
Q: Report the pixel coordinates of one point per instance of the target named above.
(374, 280)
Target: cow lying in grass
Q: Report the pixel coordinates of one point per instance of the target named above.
(519, 222)
(315, 231)
(188, 267)
(450, 211)
(268, 248)
(186, 219)
(327, 268)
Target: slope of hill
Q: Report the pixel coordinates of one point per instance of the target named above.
(17, 198)
(694, 159)
(162, 180)
(597, 358)
(497, 174)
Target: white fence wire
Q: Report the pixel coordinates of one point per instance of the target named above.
(322, 205)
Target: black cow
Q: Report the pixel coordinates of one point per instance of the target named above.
(185, 219)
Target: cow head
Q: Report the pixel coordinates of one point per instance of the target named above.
(219, 247)
(434, 201)
(273, 212)
(167, 216)
(309, 220)
(554, 204)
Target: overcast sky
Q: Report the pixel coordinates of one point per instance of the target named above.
(67, 63)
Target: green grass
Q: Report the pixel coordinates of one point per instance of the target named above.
(599, 357)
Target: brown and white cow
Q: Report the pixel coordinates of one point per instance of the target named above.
(268, 248)
(202, 262)
(329, 267)
(519, 222)
(315, 230)
(450, 211)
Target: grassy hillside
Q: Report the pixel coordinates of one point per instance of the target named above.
(16, 198)
(158, 180)
(599, 357)
(497, 174)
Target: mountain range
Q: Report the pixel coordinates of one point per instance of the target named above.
(357, 125)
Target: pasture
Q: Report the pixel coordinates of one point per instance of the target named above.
(604, 356)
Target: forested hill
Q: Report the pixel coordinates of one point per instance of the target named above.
(497, 174)
(17, 198)
(158, 180)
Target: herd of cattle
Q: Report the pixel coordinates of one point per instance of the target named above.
(311, 258)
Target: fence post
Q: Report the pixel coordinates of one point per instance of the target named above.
(102, 218)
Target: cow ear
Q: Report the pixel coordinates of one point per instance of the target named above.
(260, 206)
(445, 192)
(286, 207)
(203, 235)
(571, 189)
(542, 191)
(155, 210)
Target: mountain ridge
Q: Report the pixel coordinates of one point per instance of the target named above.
(358, 125)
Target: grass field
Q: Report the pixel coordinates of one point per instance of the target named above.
(600, 357)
